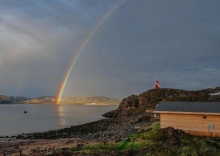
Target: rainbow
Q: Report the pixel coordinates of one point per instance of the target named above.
(83, 45)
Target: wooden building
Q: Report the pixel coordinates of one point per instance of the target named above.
(197, 118)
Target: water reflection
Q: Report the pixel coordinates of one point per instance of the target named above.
(59, 111)
(42, 117)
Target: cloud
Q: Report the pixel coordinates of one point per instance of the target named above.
(38, 40)
(176, 42)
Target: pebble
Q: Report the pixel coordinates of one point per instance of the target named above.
(104, 130)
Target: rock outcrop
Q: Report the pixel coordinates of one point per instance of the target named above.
(134, 104)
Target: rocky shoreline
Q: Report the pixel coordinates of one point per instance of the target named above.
(129, 118)
(137, 104)
(101, 131)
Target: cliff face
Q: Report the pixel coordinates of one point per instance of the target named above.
(133, 105)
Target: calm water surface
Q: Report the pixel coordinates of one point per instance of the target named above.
(42, 117)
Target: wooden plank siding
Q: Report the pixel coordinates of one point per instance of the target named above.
(195, 124)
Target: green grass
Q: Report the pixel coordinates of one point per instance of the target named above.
(147, 142)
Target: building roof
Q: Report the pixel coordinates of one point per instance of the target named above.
(188, 107)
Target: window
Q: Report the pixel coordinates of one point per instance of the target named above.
(210, 126)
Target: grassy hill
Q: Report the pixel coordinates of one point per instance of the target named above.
(136, 104)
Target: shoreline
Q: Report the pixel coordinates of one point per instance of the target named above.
(100, 131)
(93, 104)
(29, 119)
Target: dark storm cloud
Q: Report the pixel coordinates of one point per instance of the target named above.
(176, 42)
(37, 41)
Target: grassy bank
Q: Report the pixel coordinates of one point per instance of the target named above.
(150, 140)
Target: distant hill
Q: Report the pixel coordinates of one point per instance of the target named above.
(136, 104)
(12, 99)
(98, 100)
(90, 100)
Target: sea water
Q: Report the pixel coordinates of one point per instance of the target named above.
(27, 118)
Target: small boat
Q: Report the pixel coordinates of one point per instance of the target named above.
(25, 112)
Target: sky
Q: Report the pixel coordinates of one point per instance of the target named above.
(175, 42)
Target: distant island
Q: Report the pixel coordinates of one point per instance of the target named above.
(89, 100)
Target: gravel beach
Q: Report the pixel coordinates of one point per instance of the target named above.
(101, 131)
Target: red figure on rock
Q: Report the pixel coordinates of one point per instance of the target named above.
(157, 86)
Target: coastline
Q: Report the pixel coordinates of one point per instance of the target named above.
(130, 132)
(100, 131)
(45, 117)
